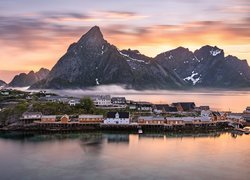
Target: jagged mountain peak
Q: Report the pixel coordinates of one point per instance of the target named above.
(93, 61)
(2, 83)
(93, 37)
(23, 79)
(207, 50)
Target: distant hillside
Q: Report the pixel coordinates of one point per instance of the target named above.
(2, 83)
(24, 80)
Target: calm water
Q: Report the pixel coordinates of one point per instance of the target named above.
(125, 156)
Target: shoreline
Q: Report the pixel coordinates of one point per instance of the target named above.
(116, 128)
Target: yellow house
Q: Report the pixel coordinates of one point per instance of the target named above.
(151, 120)
(65, 119)
(48, 119)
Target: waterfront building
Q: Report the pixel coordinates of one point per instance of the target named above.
(117, 118)
(48, 118)
(64, 119)
(164, 108)
(236, 117)
(151, 120)
(30, 117)
(184, 120)
(246, 117)
(88, 118)
(247, 110)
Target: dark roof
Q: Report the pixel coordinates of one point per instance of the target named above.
(185, 105)
(121, 114)
(166, 107)
(171, 109)
(118, 99)
(246, 117)
(161, 106)
(216, 114)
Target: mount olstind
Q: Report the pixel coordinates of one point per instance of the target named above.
(92, 61)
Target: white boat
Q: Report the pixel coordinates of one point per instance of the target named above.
(244, 130)
(140, 131)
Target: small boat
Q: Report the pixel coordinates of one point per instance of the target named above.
(247, 131)
(140, 131)
(243, 130)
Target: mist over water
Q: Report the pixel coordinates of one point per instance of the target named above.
(221, 100)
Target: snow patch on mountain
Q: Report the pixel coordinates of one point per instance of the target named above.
(97, 81)
(193, 78)
(102, 49)
(130, 58)
(215, 52)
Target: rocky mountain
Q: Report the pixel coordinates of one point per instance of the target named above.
(2, 83)
(93, 61)
(207, 67)
(24, 80)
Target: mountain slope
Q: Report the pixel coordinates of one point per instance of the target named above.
(93, 61)
(207, 67)
(2, 83)
(23, 79)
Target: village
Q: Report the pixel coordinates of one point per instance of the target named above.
(118, 113)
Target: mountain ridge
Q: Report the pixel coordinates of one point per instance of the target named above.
(24, 80)
(92, 61)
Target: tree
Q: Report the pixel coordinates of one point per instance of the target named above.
(87, 104)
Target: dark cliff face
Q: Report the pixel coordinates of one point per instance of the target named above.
(92, 61)
(207, 67)
(2, 83)
(23, 79)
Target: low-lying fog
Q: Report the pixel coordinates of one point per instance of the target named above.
(235, 101)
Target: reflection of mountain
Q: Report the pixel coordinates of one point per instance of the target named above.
(117, 138)
(91, 142)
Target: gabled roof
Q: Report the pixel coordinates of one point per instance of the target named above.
(90, 116)
(121, 114)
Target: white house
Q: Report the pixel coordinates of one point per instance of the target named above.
(117, 118)
(74, 102)
(102, 100)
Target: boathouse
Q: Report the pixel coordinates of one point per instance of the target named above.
(117, 118)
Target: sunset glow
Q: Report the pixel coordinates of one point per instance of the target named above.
(36, 34)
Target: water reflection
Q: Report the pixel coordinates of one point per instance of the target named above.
(117, 138)
(208, 155)
(96, 138)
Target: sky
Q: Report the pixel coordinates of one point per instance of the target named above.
(36, 33)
